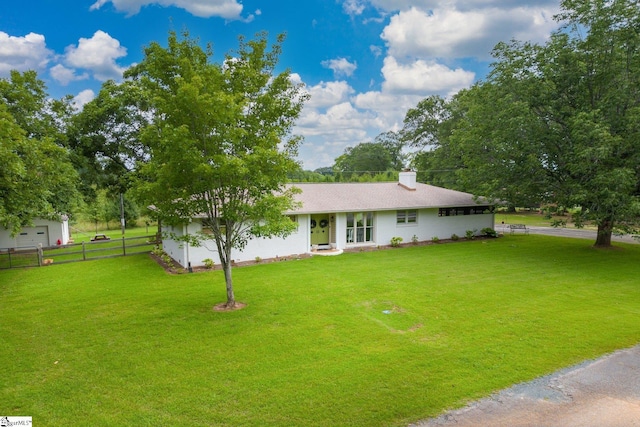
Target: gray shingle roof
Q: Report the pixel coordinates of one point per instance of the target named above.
(377, 196)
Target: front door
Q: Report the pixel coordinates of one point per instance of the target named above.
(320, 230)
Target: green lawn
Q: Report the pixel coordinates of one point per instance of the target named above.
(534, 218)
(379, 338)
(84, 234)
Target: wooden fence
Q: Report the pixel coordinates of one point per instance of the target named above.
(84, 251)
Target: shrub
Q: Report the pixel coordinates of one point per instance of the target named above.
(395, 241)
(489, 232)
(454, 237)
(208, 263)
(414, 239)
(470, 234)
(167, 260)
(258, 259)
(435, 239)
(157, 251)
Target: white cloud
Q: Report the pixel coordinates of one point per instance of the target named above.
(389, 108)
(451, 33)
(340, 66)
(402, 5)
(227, 9)
(353, 7)
(423, 77)
(324, 95)
(64, 75)
(98, 55)
(23, 53)
(328, 132)
(83, 98)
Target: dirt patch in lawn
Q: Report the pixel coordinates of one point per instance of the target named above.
(222, 307)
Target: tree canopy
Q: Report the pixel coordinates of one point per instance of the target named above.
(37, 178)
(105, 138)
(382, 155)
(219, 140)
(556, 122)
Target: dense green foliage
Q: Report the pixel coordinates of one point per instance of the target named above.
(371, 158)
(555, 123)
(219, 140)
(120, 342)
(37, 178)
(105, 138)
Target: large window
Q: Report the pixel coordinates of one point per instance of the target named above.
(360, 227)
(407, 216)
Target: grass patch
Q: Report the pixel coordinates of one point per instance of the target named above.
(364, 339)
(536, 219)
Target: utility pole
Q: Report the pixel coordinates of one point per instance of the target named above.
(122, 213)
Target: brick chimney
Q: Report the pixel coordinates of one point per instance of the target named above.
(408, 180)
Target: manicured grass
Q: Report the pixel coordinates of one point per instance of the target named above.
(84, 234)
(377, 338)
(534, 218)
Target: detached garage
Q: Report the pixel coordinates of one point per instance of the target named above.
(43, 233)
(33, 236)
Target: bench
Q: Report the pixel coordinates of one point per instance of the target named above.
(98, 237)
(514, 227)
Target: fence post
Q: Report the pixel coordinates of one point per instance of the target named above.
(9, 252)
(84, 252)
(40, 255)
(124, 249)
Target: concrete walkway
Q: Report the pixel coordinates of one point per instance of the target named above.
(602, 393)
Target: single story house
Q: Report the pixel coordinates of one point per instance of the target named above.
(44, 232)
(341, 216)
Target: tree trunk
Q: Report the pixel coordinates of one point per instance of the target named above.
(603, 239)
(231, 299)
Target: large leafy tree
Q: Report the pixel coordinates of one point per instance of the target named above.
(382, 155)
(581, 97)
(427, 129)
(219, 141)
(38, 115)
(105, 138)
(36, 177)
(559, 121)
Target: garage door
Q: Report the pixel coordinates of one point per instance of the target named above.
(33, 236)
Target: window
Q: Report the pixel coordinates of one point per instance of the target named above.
(407, 216)
(207, 226)
(360, 227)
(476, 210)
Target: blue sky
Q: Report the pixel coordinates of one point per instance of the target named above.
(364, 62)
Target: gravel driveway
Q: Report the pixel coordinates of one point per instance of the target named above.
(603, 392)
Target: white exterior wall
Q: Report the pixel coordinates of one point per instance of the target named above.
(57, 230)
(429, 225)
(174, 249)
(296, 243)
